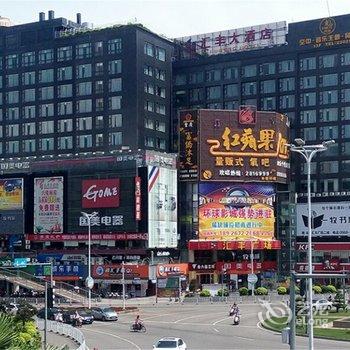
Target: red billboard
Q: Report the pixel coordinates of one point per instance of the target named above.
(98, 193)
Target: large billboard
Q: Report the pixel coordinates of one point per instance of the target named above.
(241, 39)
(188, 167)
(328, 219)
(48, 204)
(99, 193)
(11, 194)
(244, 146)
(162, 207)
(11, 222)
(229, 212)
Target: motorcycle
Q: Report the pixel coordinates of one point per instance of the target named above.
(236, 319)
(77, 322)
(138, 328)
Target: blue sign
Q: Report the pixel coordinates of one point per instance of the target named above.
(20, 262)
(64, 270)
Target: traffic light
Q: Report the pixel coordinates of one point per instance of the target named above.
(49, 297)
(302, 286)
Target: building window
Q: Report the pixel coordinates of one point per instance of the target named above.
(47, 144)
(12, 130)
(345, 131)
(345, 78)
(115, 121)
(160, 143)
(345, 165)
(329, 167)
(329, 185)
(180, 79)
(84, 141)
(329, 132)
(98, 48)
(213, 75)
(148, 70)
(12, 80)
(328, 80)
(286, 66)
(231, 90)
(313, 168)
(65, 125)
(98, 87)
(345, 59)
(213, 92)
(28, 95)
(12, 97)
(99, 104)
(267, 86)
(160, 74)
(149, 106)
(115, 138)
(160, 108)
(345, 184)
(308, 82)
(114, 102)
(115, 67)
(287, 101)
(29, 112)
(11, 61)
(46, 56)
(28, 59)
(46, 127)
(64, 91)
(328, 97)
(230, 73)
(329, 115)
(249, 89)
(149, 88)
(99, 140)
(308, 99)
(46, 93)
(216, 105)
(64, 73)
(83, 71)
(64, 53)
(149, 124)
(160, 54)
(12, 113)
(84, 89)
(114, 46)
(160, 91)
(328, 61)
(345, 95)
(12, 147)
(65, 142)
(149, 141)
(268, 103)
(196, 77)
(287, 84)
(196, 94)
(148, 49)
(309, 134)
(307, 63)
(65, 108)
(99, 122)
(83, 50)
(28, 146)
(46, 76)
(249, 71)
(231, 105)
(267, 68)
(28, 78)
(99, 68)
(159, 126)
(84, 106)
(115, 85)
(46, 110)
(84, 124)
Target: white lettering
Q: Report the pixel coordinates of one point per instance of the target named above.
(93, 195)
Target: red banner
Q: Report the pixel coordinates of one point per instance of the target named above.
(325, 246)
(245, 266)
(166, 270)
(85, 237)
(137, 198)
(113, 271)
(333, 265)
(233, 245)
(100, 193)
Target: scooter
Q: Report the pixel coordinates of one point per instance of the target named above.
(236, 319)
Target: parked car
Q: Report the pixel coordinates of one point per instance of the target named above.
(12, 308)
(321, 305)
(87, 316)
(51, 313)
(170, 343)
(105, 313)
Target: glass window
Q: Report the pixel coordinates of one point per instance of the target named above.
(98, 48)
(249, 89)
(28, 59)
(84, 141)
(313, 168)
(286, 66)
(329, 132)
(308, 99)
(46, 110)
(12, 147)
(307, 63)
(328, 97)
(28, 78)
(231, 105)
(213, 75)
(249, 71)
(115, 67)
(328, 80)
(65, 108)
(308, 82)
(46, 56)
(196, 77)
(12, 97)
(149, 88)
(99, 122)
(28, 95)
(267, 86)
(84, 106)
(149, 106)
(84, 123)
(29, 112)
(231, 90)
(268, 103)
(309, 134)
(12, 130)
(12, 113)
(230, 73)
(345, 59)
(329, 167)
(328, 114)
(46, 127)
(149, 49)
(159, 126)
(46, 76)
(196, 95)
(99, 104)
(46, 93)
(160, 54)
(64, 73)
(98, 87)
(215, 105)
(83, 50)
(65, 142)
(115, 138)
(160, 143)
(345, 130)
(99, 140)
(64, 53)
(329, 185)
(11, 61)
(65, 125)
(84, 89)
(345, 165)
(115, 84)
(180, 79)
(213, 92)
(115, 121)
(287, 84)
(114, 102)
(345, 113)
(267, 68)
(28, 146)
(345, 149)
(148, 70)
(114, 46)
(149, 141)
(99, 68)
(12, 80)
(160, 91)
(345, 95)
(287, 101)
(84, 71)
(64, 90)
(47, 144)
(149, 123)
(345, 78)
(328, 61)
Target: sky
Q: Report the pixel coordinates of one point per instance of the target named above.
(177, 18)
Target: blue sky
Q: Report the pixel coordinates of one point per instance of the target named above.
(177, 18)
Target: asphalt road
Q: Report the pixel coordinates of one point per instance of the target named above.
(204, 326)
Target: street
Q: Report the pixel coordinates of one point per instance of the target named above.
(203, 326)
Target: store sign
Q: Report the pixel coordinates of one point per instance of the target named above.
(328, 219)
(137, 198)
(103, 221)
(11, 222)
(327, 266)
(126, 257)
(234, 245)
(115, 270)
(165, 270)
(160, 159)
(188, 168)
(236, 212)
(14, 166)
(48, 205)
(11, 194)
(252, 151)
(245, 266)
(242, 39)
(100, 193)
(201, 267)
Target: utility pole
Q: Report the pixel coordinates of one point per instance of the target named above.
(123, 283)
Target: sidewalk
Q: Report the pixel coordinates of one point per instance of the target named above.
(60, 340)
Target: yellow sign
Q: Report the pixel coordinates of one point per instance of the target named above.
(11, 194)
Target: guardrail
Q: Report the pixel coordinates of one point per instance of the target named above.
(63, 329)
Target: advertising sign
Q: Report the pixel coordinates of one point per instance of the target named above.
(48, 204)
(188, 145)
(98, 193)
(242, 39)
(11, 194)
(113, 271)
(11, 222)
(234, 151)
(162, 207)
(236, 212)
(328, 219)
(165, 270)
(137, 198)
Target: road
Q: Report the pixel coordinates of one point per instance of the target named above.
(203, 326)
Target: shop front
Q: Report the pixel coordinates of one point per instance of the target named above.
(171, 279)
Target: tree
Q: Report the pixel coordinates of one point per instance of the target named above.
(8, 332)
(339, 301)
(25, 312)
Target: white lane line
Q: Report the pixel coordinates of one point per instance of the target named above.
(115, 336)
(223, 319)
(250, 339)
(199, 315)
(155, 316)
(216, 330)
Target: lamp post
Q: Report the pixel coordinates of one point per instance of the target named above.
(89, 281)
(308, 152)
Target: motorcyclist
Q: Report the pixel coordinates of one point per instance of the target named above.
(78, 319)
(234, 309)
(138, 323)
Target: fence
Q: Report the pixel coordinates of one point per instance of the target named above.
(65, 330)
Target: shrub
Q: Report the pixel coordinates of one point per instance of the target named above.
(222, 291)
(281, 290)
(331, 289)
(261, 291)
(317, 289)
(205, 293)
(243, 291)
(324, 289)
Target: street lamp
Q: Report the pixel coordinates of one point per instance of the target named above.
(308, 152)
(89, 280)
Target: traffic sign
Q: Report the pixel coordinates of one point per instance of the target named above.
(20, 262)
(89, 282)
(252, 278)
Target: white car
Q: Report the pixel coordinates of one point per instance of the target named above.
(321, 304)
(170, 343)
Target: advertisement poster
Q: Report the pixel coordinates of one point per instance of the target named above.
(328, 219)
(236, 212)
(11, 194)
(162, 207)
(48, 205)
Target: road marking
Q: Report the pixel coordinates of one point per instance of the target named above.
(216, 330)
(116, 336)
(158, 315)
(237, 336)
(223, 319)
(199, 315)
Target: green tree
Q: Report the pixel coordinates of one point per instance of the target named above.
(339, 301)
(8, 331)
(25, 312)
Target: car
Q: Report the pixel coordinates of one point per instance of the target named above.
(321, 305)
(51, 313)
(86, 316)
(170, 343)
(12, 308)
(104, 313)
